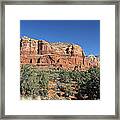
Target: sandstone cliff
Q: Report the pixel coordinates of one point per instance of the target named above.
(58, 54)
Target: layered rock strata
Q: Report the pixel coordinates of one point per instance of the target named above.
(55, 55)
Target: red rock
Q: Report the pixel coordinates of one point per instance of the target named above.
(44, 54)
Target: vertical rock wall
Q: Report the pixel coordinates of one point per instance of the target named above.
(42, 53)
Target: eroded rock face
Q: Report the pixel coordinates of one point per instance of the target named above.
(57, 55)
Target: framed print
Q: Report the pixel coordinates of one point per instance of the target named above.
(60, 59)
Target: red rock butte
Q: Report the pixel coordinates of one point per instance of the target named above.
(55, 55)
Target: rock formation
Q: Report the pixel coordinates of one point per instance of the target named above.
(56, 55)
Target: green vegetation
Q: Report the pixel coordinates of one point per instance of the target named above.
(33, 82)
(84, 85)
(89, 85)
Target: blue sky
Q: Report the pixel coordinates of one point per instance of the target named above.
(85, 33)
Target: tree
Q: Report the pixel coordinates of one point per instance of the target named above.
(89, 85)
(33, 82)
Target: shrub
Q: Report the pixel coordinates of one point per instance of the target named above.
(89, 85)
(33, 83)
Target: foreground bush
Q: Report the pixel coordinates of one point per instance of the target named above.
(89, 85)
(34, 82)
